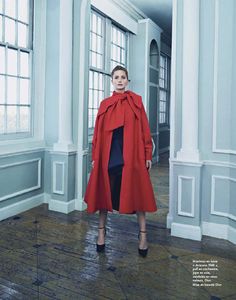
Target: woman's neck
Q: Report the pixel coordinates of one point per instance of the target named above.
(120, 91)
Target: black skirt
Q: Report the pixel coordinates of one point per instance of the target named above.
(115, 166)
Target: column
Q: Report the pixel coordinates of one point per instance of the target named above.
(189, 150)
(65, 143)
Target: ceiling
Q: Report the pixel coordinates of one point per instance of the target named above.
(160, 11)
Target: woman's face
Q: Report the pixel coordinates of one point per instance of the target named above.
(119, 81)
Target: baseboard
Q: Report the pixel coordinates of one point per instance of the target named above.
(80, 204)
(47, 198)
(61, 206)
(164, 150)
(186, 231)
(169, 220)
(21, 206)
(222, 231)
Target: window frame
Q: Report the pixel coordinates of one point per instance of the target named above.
(107, 44)
(36, 141)
(30, 49)
(166, 90)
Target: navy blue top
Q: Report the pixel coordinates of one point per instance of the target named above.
(116, 153)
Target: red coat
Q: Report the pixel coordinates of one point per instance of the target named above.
(136, 192)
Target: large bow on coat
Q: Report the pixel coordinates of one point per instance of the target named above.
(115, 114)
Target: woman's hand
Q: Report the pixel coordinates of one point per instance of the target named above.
(92, 163)
(149, 164)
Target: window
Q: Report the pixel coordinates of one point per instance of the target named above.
(15, 67)
(97, 71)
(118, 47)
(108, 47)
(164, 89)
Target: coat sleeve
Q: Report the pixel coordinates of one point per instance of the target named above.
(146, 134)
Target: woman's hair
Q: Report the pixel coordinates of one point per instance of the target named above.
(119, 68)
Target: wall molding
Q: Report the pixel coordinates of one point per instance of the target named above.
(215, 85)
(219, 164)
(28, 189)
(224, 164)
(54, 178)
(213, 185)
(180, 196)
(220, 231)
(185, 163)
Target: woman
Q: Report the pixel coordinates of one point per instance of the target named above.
(121, 160)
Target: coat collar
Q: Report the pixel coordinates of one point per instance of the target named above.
(112, 100)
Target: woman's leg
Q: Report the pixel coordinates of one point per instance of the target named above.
(102, 223)
(142, 226)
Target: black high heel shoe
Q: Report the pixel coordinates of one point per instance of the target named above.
(101, 247)
(142, 252)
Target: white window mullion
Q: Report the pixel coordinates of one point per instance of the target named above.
(18, 92)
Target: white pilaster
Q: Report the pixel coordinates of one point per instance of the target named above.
(189, 150)
(171, 212)
(65, 143)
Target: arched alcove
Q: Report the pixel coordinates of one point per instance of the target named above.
(154, 54)
(154, 94)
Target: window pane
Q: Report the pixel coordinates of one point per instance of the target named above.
(161, 106)
(95, 98)
(24, 64)
(95, 80)
(2, 118)
(10, 34)
(90, 98)
(99, 44)
(90, 118)
(123, 56)
(2, 60)
(113, 51)
(119, 38)
(1, 6)
(1, 37)
(10, 8)
(12, 62)
(24, 91)
(24, 118)
(100, 82)
(11, 119)
(93, 62)
(118, 54)
(2, 89)
(99, 61)
(11, 90)
(94, 22)
(113, 34)
(93, 46)
(22, 35)
(123, 41)
(99, 26)
(23, 10)
(90, 79)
